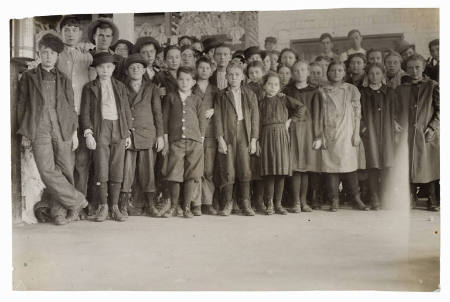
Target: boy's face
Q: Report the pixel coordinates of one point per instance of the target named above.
(285, 75)
(222, 56)
(185, 82)
(255, 57)
(204, 71)
(105, 70)
(288, 58)
(122, 50)
(327, 45)
(136, 71)
(357, 65)
(273, 61)
(48, 57)
(272, 86)
(148, 52)
(185, 41)
(71, 35)
(375, 75)
(300, 72)
(269, 46)
(235, 77)
(355, 40)
(103, 38)
(267, 63)
(375, 57)
(393, 65)
(173, 59)
(415, 69)
(188, 58)
(315, 74)
(407, 53)
(434, 52)
(324, 64)
(336, 73)
(255, 74)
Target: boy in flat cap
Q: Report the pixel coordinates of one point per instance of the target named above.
(106, 123)
(48, 123)
(222, 56)
(74, 64)
(148, 48)
(146, 135)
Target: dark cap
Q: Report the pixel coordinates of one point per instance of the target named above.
(210, 43)
(404, 45)
(51, 41)
(104, 57)
(271, 40)
(71, 20)
(123, 41)
(92, 28)
(252, 50)
(135, 58)
(142, 41)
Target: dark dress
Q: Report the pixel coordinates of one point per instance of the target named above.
(274, 112)
(377, 119)
(304, 131)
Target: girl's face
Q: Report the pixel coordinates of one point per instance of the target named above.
(267, 63)
(48, 57)
(357, 65)
(255, 74)
(336, 73)
(185, 82)
(235, 77)
(136, 71)
(148, 52)
(173, 59)
(188, 58)
(375, 57)
(122, 50)
(288, 58)
(315, 74)
(393, 65)
(300, 72)
(204, 71)
(415, 69)
(273, 61)
(105, 70)
(375, 75)
(285, 75)
(272, 86)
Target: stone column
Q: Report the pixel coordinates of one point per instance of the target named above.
(251, 28)
(125, 23)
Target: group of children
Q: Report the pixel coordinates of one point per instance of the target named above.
(203, 129)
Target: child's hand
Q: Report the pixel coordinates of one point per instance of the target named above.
(127, 142)
(159, 143)
(90, 142)
(317, 144)
(165, 150)
(288, 124)
(280, 94)
(209, 113)
(222, 148)
(397, 127)
(253, 146)
(356, 139)
(75, 141)
(26, 142)
(429, 134)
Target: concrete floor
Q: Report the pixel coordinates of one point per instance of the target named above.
(347, 250)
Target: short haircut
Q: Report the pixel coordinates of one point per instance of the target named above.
(187, 70)
(334, 63)
(70, 21)
(186, 47)
(324, 36)
(304, 62)
(315, 64)
(433, 43)
(352, 32)
(416, 57)
(255, 64)
(269, 75)
(103, 25)
(203, 59)
(282, 66)
(320, 58)
(376, 65)
(356, 55)
(232, 65)
(169, 48)
(288, 50)
(223, 45)
(374, 50)
(393, 53)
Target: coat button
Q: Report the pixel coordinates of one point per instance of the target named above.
(133, 129)
(184, 111)
(183, 128)
(182, 120)
(132, 118)
(183, 136)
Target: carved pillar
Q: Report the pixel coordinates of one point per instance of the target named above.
(251, 28)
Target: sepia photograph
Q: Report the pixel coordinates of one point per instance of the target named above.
(239, 150)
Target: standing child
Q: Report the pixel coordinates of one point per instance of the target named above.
(48, 123)
(207, 92)
(275, 157)
(285, 75)
(305, 133)
(184, 127)
(106, 122)
(148, 48)
(237, 130)
(288, 57)
(355, 38)
(377, 127)
(146, 135)
(315, 75)
(255, 75)
(394, 72)
(341, 140)
(222, 56)
(356, 65)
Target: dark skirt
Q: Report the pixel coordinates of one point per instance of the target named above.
(275, 158)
